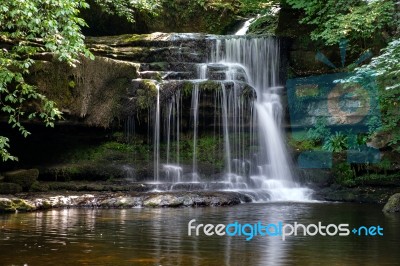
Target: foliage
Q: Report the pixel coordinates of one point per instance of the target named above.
(386, 65)
(302, 144)
(344, 174)
(128, 8)
(215, 14)
(336, 143)
(29, 27)
(353, 20)
(4, 145)
(265, 24)
(257, 6)
(357, 141)
(320, 131)
(386, 69)
(378, 179)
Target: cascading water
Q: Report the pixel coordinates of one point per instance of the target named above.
(247, 123)
(195, 111)
(157, 137)
(259, 58)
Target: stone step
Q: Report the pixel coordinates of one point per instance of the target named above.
(167, 75)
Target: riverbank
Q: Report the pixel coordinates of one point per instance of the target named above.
(118, 200)
(120, 195)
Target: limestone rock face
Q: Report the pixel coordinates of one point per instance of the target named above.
(91, 91)
(98, 92)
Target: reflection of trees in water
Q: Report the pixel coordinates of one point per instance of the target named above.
(160, 237)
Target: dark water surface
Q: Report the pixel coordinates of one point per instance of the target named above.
(160, 237)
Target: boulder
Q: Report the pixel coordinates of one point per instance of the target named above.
(24, 178)
(393, 204)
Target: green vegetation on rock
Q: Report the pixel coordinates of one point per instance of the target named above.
(13, 205)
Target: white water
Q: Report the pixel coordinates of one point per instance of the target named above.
(259, 58)
(157, 137)
(195, 111)
(264, 173)
(243, 30)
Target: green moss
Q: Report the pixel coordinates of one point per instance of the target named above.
(71, 84)
(13, 205)
(187, 88)
(151, 204)
(146, 95)
(95, 152)
(210, 85)
(22, 205)
(266, 24)
(303, 145)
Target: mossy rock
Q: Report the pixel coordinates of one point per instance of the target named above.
(13, 205)
(6, 205)
(10, 188)
(393, 204)
(24, 178)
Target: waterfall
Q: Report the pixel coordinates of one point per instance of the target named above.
(195, 111)
(246, 25)
(157, 137)
(259, 59)
(241, 83)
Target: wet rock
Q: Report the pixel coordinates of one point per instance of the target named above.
(163, 201)
(121, 200)
(6, 205)
(24, 178)
(393, 204)
(194, 199)
(15, 204)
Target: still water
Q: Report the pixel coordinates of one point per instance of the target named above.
(159, 237)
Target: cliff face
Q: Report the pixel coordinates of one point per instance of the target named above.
(122, 79)
(91, 92)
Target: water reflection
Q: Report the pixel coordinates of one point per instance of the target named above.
(159, 237)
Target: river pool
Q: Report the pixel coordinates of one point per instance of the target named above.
(159, 236)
